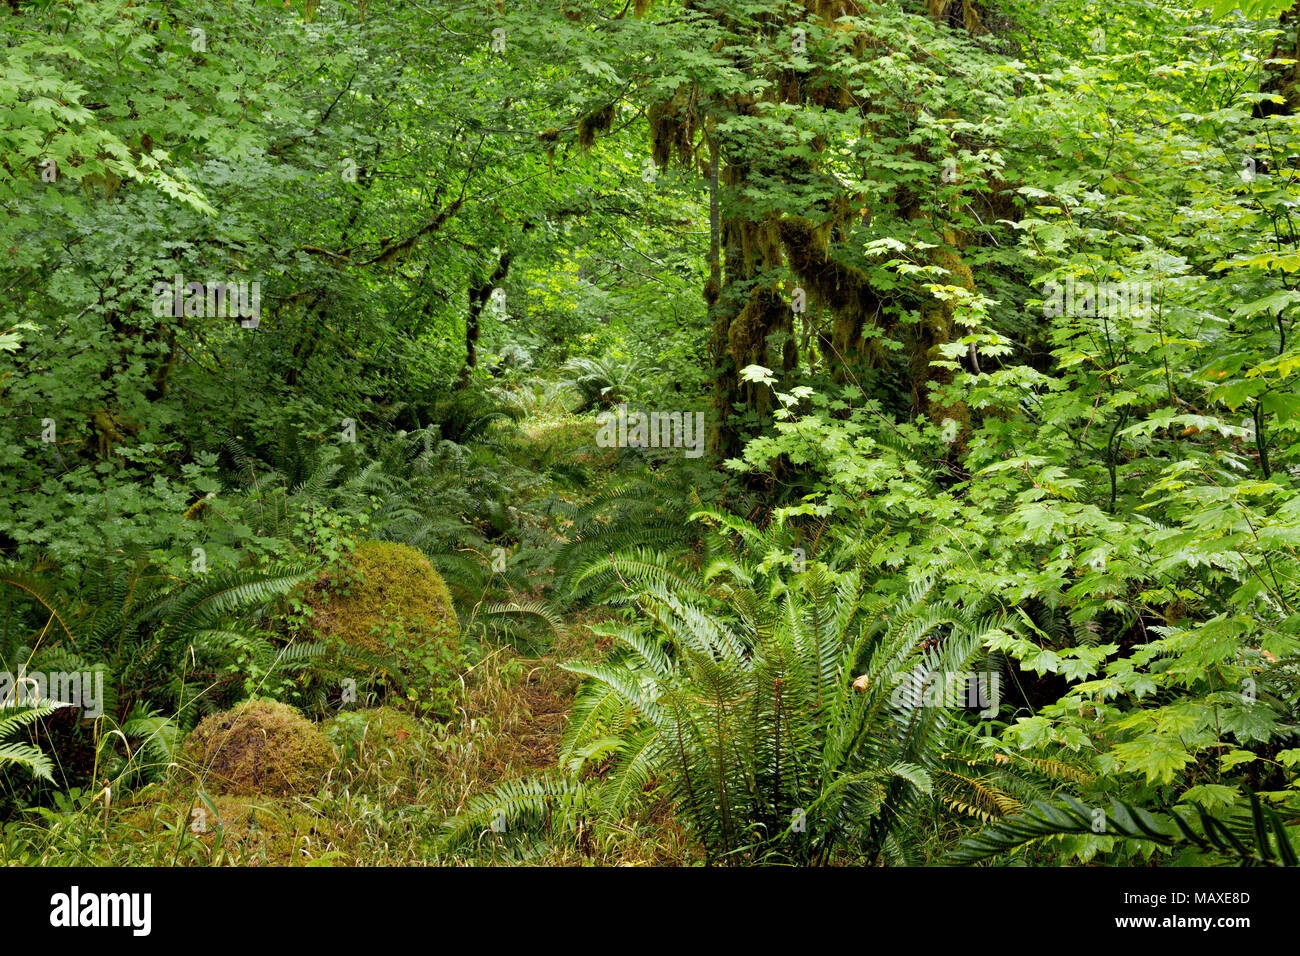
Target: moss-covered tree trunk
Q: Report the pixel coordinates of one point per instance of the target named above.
(479, 294)
(754, 251)
(1283, 78)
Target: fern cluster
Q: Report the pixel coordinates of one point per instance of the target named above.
(771, 705)
(163, 646)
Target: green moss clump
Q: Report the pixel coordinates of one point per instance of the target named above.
(382, 735)
(395, 606)
(251, 831)
(262, 831)
(259, 747)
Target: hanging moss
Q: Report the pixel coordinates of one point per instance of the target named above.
(756, 245)
(962, 13)
(766, 312)
(661, 134)
(830, 10)
(760, 242)
(742, 332)
(1282, 71)
(711, 291)
(259, 746)
(672, 129)
(959, 13)
(846, 331)
(932, 330)
(788, 88)
(593, 124)
(840, 287)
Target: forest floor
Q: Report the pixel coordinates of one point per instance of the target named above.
(389, 801)
(519, 705)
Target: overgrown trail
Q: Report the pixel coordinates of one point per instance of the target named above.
(523, 705)
(543, 726)
(520, 699)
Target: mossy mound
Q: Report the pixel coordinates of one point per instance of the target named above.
(259, 747)
(381, 735)
(395, 606)
(252, 831)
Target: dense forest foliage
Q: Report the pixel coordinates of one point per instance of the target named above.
(729, 432)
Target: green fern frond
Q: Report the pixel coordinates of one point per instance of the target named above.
(23, 754)
(526, 806)
(1259, 839)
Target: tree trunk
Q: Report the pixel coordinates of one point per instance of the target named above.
(478, 300)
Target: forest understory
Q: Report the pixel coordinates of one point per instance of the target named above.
(835, 433)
